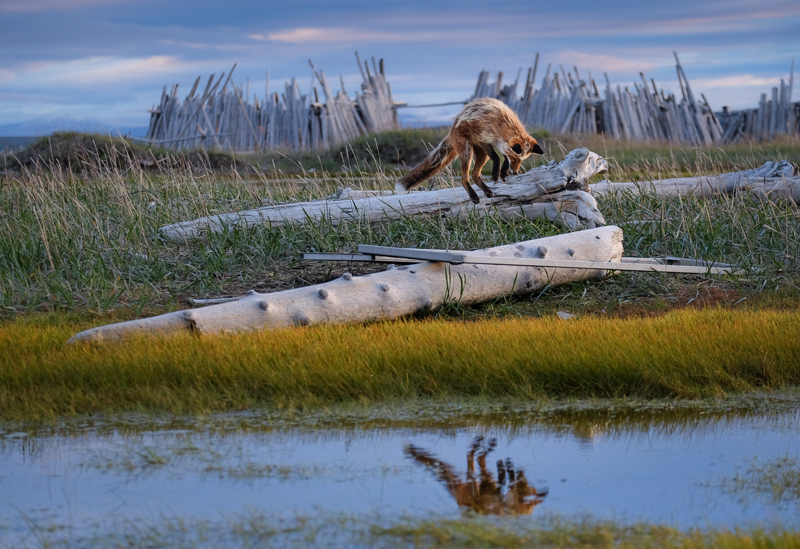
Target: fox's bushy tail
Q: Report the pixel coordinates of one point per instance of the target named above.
(439, 159)
(443, 470)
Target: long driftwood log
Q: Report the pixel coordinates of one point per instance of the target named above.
(396, 292)
(772, 180)
(536, 193)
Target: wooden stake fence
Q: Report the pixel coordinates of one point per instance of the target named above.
(228, 118)
(568, 103)
(771, 118)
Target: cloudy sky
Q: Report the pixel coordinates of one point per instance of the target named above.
(110, 58)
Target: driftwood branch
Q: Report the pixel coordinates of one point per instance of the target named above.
(772, 180)
(396, 292)
(532, 194)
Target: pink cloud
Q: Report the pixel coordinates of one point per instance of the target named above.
(737, 81)
(308, 34)
(719, 23)
(600, 63)
(109, 69)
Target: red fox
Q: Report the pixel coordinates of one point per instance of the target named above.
(509, 494)
(484, 126)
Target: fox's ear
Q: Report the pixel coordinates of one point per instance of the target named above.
(535, 147)
(517, 148)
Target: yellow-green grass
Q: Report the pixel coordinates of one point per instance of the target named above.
(684, 354)
(576, 533)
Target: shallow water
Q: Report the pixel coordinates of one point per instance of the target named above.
(663, 464)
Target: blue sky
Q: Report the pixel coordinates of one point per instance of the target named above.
(109, 59)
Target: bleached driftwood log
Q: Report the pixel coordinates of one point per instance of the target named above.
(772, 180)
(392, 293)
(532, 194)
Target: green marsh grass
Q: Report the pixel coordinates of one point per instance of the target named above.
(681, 354)
(91, 243)
(87, 240)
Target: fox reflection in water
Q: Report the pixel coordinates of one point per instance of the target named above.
(510, 493)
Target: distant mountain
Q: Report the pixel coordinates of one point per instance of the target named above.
(49, 123)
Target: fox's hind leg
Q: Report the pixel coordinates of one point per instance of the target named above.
(480, 161)
(465, 156)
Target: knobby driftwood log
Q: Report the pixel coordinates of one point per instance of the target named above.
(532, 194)
(396, 292)
(772, 180)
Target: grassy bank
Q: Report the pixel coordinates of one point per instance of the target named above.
(681, 354)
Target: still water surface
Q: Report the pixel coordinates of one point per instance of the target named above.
(626, 463)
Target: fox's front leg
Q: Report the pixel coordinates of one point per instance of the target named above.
(495, 162)
(504, 169)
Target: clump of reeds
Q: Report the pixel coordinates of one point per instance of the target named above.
(777, 481)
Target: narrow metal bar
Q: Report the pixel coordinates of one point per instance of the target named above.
(666, 265)
(676, 261)
(314, 256)
(602, 265)
(213, 300)
(413, 253)
(337, 257)
(356, 257)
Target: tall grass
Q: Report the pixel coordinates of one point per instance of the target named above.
(86, 239)
(643, 161)
(682, 354)
(92, 241)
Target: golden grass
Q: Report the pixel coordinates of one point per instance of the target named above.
(573, 533)
(681, 354)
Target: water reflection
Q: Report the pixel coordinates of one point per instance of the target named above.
(588, 421)
(510, 493)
